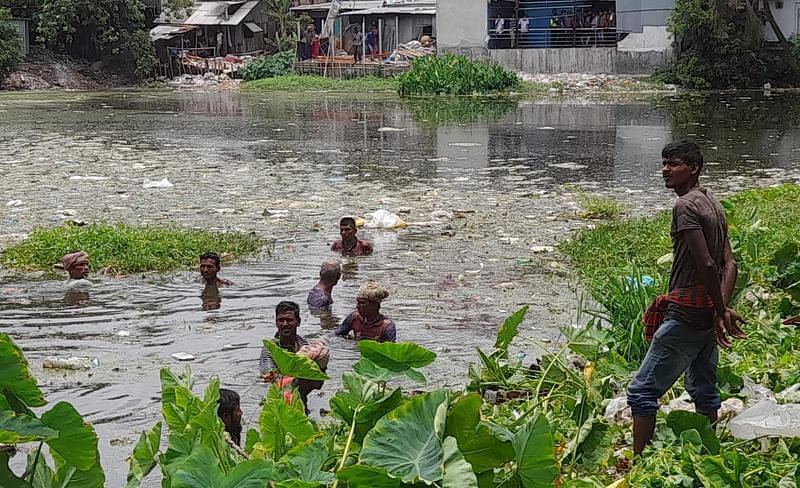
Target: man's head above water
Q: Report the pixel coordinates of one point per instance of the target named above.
(348, 229)
(287, 320)
(209, 266)
(76, 264)
(330, 272)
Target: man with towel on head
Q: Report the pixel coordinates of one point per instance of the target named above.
(366, 321)
(77, 265)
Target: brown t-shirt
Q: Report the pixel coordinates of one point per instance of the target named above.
(697, 210)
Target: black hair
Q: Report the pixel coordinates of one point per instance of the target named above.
(212, 256)
(228, 401)
(687, 151)
(287, 306)
(348, 221)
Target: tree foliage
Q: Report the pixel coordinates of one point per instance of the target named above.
(9, 45)
(721, 44)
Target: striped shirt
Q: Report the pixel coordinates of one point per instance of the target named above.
(267, 363)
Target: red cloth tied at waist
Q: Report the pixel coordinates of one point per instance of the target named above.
(691, 296)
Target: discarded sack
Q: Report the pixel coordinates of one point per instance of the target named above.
(383, 219)
(73, 363)
(164, 183)
(767, 418)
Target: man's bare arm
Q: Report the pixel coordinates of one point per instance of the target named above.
(730, 272)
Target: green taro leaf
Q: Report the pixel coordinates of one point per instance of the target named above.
(43, 475)
(294, 365)
(69, 476)
(360, 476)
(16, 377)
(457, 471)
(407, 442)
(77, 440)
(282, 427)
(510, 328)
(145, 456)
(308, 460)
(533, 445)
(20, 428)
(481, 446)
(680, 421)
(180, 447)
(365, 400)
(712, 473)
(7, 477)
(201, 470)
(369, 369)
(396, 357)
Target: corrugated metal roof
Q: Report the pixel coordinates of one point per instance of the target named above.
(213, 13)
(168, 31)
(253, 27)
(346, 5)
(395, 10)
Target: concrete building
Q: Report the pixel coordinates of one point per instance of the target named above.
(553, 41)
(787, 15)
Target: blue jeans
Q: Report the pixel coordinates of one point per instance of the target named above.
(677, 348)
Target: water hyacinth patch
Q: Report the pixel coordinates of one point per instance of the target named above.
(455, 75)
(123, 248)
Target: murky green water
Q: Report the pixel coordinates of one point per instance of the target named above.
(510, 168)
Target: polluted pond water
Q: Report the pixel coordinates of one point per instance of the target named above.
(488, 188)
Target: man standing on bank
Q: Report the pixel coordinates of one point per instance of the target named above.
(687, 324)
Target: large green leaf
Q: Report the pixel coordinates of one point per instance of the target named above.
(15, 376)
(7, 477)
(712, 473)
(369, 369)
(77, 440)
(282, 427)
(396, 356)
(307, 461)
(360, 476)
(294, 365)
(510, 328)
(43, 475)
(457, 471)
(533, 445)
(480, 445)
(680, 421)
(407, 442)
(201, 470)
(69, 476)
(180, 447)
(145, 456)
(363, 400)
(20, 428)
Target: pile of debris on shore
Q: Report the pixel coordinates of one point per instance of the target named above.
(208, 81)
(43, 70)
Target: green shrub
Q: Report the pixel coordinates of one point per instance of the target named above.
(126, 249)
(269, 66)
(302, 83)
(599, 207)
(9, 46)
(455, 75)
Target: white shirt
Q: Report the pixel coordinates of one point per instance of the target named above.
(219, 37)
(523, 24)
(81, 284)
(499, 25)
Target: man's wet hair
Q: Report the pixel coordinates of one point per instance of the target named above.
(212, 256)
(228, 401)
(348, 221)
(287, 306)
(330, 271)
(687, 151)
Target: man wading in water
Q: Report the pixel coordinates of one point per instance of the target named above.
(367, 321)
(209, 267)
(687, 324)
(319, 298)
(350, 244)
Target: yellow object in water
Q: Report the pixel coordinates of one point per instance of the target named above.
(360, 222)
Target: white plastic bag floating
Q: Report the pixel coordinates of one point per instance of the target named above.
(767, 418)
(163, 183)
(383, 219)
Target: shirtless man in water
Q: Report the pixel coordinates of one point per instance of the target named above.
(350, 244)
(209, 267)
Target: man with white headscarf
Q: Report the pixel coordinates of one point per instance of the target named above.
(366, 321)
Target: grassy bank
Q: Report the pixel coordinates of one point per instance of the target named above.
(308, 83)
(127, 249)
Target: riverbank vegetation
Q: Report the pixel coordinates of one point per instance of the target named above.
(557, 420)
(721, 44)
(9, 46)
(309, 83)
(126, 249)
(455, 75)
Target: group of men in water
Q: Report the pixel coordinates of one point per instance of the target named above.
(686, 326)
